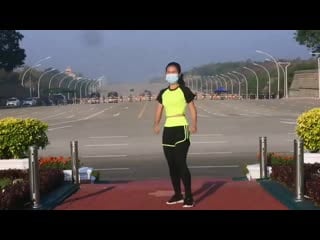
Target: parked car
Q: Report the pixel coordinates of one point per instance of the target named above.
(59, 99)
(93, 100)
(113, 97)
(13, 102)
(29, 102)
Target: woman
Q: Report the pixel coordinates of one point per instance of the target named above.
(175, 140)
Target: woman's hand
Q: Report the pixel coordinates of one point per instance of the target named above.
(156, 129)
(157, 119)
(193, 129)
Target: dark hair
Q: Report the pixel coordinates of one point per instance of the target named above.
(178, 67)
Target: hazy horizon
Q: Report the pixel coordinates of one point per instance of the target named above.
(139, 55)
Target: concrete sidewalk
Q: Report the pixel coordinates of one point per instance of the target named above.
(209, 194)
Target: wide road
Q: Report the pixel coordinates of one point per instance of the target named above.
(118, 138)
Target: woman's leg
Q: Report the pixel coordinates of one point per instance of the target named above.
(181, 152)
(169, 153)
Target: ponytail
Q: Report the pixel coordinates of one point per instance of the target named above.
(181, 81)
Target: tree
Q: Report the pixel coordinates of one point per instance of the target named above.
(11, 55)
(309, 38)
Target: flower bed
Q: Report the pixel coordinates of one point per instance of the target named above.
(15, 193)
(61, 163)
(283, 171)
(86, 174)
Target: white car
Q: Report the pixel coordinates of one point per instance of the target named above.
(93, 100)
(13, 102)
(29, 102)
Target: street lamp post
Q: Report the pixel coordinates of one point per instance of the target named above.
(268, 76)
(75, 88)
(219, 79)
(225, 81)
(251, 70)
(90, 85)
(197, 85)
(81, 89)
(192, 83)
(231, 81)
(286, 65)
(87, 86)
(53, 69)
(69, 85)
(211, 80)
(62, 79)
(53, 78)
(217, 83)
(37, 64)
(278, 70)
(207, 84)
(244, 77)
(285, 75)
(231, 74)
(23, 76)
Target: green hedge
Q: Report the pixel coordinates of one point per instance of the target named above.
(308, 129)
(16, 135)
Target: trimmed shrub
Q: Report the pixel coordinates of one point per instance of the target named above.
(308, 129)
(16, 135)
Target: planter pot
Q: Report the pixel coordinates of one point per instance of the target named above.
(311, 157)
(14, 164)
(254, 171)
(84, 174)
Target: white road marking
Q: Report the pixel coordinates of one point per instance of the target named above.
(116, 114)
(81, 119)
(209, 142)
(208, 135)
(99, 137)
(51, 129)
(209, 153)
(219, 114)
(105, 156)
(107, 145)
(290, 123)
(288, 119)
(52, 116)
(221, 166)
(205, 116)
(126, 107)
(93, 115)
(70, 117)
(111, 169)
(142, 110)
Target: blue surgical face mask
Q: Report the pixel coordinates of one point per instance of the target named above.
(172, 78)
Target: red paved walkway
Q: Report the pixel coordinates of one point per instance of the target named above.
(209, 194)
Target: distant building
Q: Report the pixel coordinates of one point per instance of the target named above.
(69, 72)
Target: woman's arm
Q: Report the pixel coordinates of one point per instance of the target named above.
(157, 119)
(194, 119)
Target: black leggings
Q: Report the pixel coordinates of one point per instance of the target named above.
(176, 144)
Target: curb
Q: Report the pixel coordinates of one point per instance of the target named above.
(51, 200)
(238, 179)
(285, 196)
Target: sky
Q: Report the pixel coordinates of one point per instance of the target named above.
(138, 55)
